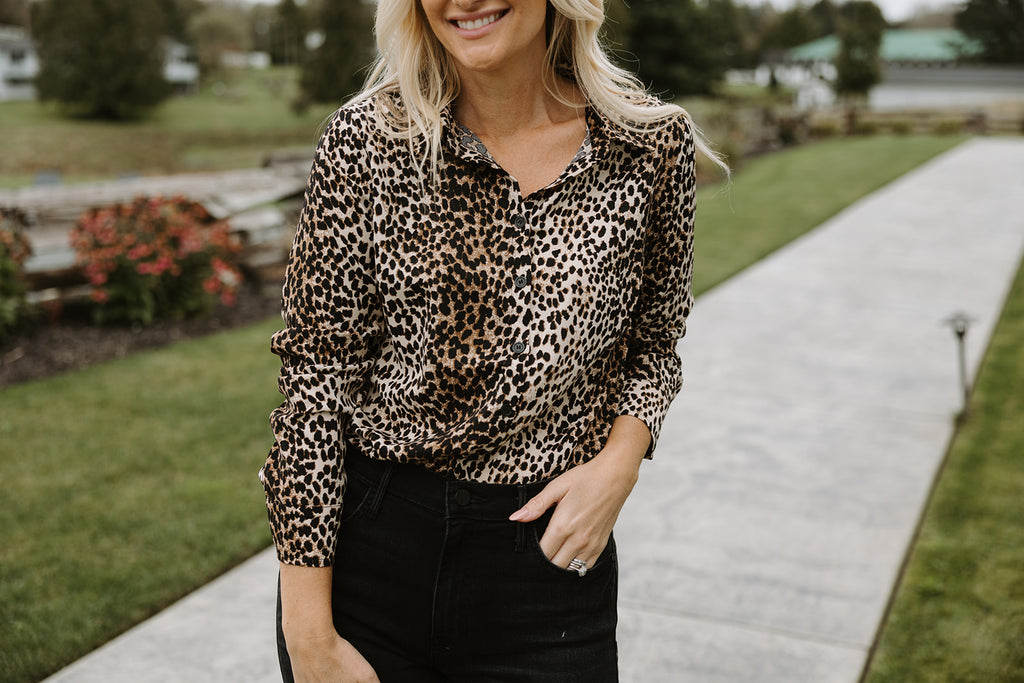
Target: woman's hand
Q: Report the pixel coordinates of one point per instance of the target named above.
(588, 497)
(328, 659)
(317, 653)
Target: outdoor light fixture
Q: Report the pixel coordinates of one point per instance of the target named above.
(959, 322)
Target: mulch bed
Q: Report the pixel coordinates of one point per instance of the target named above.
(71, 342)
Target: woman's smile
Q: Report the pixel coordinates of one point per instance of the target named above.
(473, 24)
(489, 35)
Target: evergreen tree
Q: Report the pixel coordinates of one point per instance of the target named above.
(100, 58)
(722, 17)
(262, 22)
(14, 12)
(675, 44)
(825, 16)
(289, 30)
(998, 25)
(793, 27)
(175, 16)
(334, 70)
(615, 32)
(858, 65)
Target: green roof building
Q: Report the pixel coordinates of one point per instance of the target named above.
(922, 69)
(898, 46)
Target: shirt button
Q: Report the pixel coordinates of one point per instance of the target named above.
(520, 222)
(462, 497)
(507, 410)
(518, 347)
(521, 281)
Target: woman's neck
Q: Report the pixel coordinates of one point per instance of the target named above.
(502, 104)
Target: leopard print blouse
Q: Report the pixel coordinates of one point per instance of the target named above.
(482, 334)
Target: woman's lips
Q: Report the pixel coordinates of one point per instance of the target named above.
(479, 22)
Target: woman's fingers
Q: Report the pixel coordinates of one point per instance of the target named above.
(538, 505)
(576, 533)
(587, 502)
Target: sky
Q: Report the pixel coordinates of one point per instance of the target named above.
(894, 10)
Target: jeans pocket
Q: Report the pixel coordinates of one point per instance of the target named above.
(358, 492)
(607, 558)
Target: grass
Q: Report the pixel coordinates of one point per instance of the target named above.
(126, 485)
(132, 482)
(231, 123)
(958, 613)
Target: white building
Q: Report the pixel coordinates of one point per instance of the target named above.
(18, 64)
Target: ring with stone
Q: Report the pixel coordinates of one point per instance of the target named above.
(578, 566)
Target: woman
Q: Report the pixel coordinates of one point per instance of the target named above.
(488, 281)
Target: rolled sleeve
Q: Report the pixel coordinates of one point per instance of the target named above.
(333, 325)
(653, 369)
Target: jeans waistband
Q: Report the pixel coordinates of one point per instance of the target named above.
(439, 493)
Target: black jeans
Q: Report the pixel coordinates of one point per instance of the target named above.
(432, 583)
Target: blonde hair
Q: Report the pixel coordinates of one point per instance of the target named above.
(412, 61)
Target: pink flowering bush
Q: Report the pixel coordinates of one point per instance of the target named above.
(156, 258)
(14, 251)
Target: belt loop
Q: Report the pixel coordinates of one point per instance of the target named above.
(521, 526)
(382, 487)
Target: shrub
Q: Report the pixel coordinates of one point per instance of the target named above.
(948, 127)
(824, 128)
(155, 258)
(902, 127)
(791, 130)
(862, 127)
(14, 251)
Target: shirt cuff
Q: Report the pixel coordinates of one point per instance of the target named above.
(304, 536)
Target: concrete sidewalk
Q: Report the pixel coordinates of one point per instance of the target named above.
(763, 542)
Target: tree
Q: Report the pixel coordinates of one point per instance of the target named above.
(858, 65)
(826, 16)
(330, 71)
(616, 30)
(793, 27)
(175, 16)
(261, 21)
(998, 25)
(100, 58)
(289, 33)
(676, 47)
(725, 21)
(14, 12)
(215, 30)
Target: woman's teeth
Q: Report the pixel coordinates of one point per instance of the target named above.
(478, 23)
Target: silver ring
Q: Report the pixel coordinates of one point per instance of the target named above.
(578, 566)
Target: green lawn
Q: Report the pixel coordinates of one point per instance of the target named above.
(231, 126)
(130, 483)
(126, 485)
(958, 614)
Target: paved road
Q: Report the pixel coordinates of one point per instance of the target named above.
(764, 540)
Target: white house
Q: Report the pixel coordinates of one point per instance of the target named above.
(18, 64)
(180, 68)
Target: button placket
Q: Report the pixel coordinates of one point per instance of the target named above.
(521, 240)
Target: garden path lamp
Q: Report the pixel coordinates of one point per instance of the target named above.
(959, 322)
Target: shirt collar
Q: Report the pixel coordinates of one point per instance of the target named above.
(603, 130)
(462, 142)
